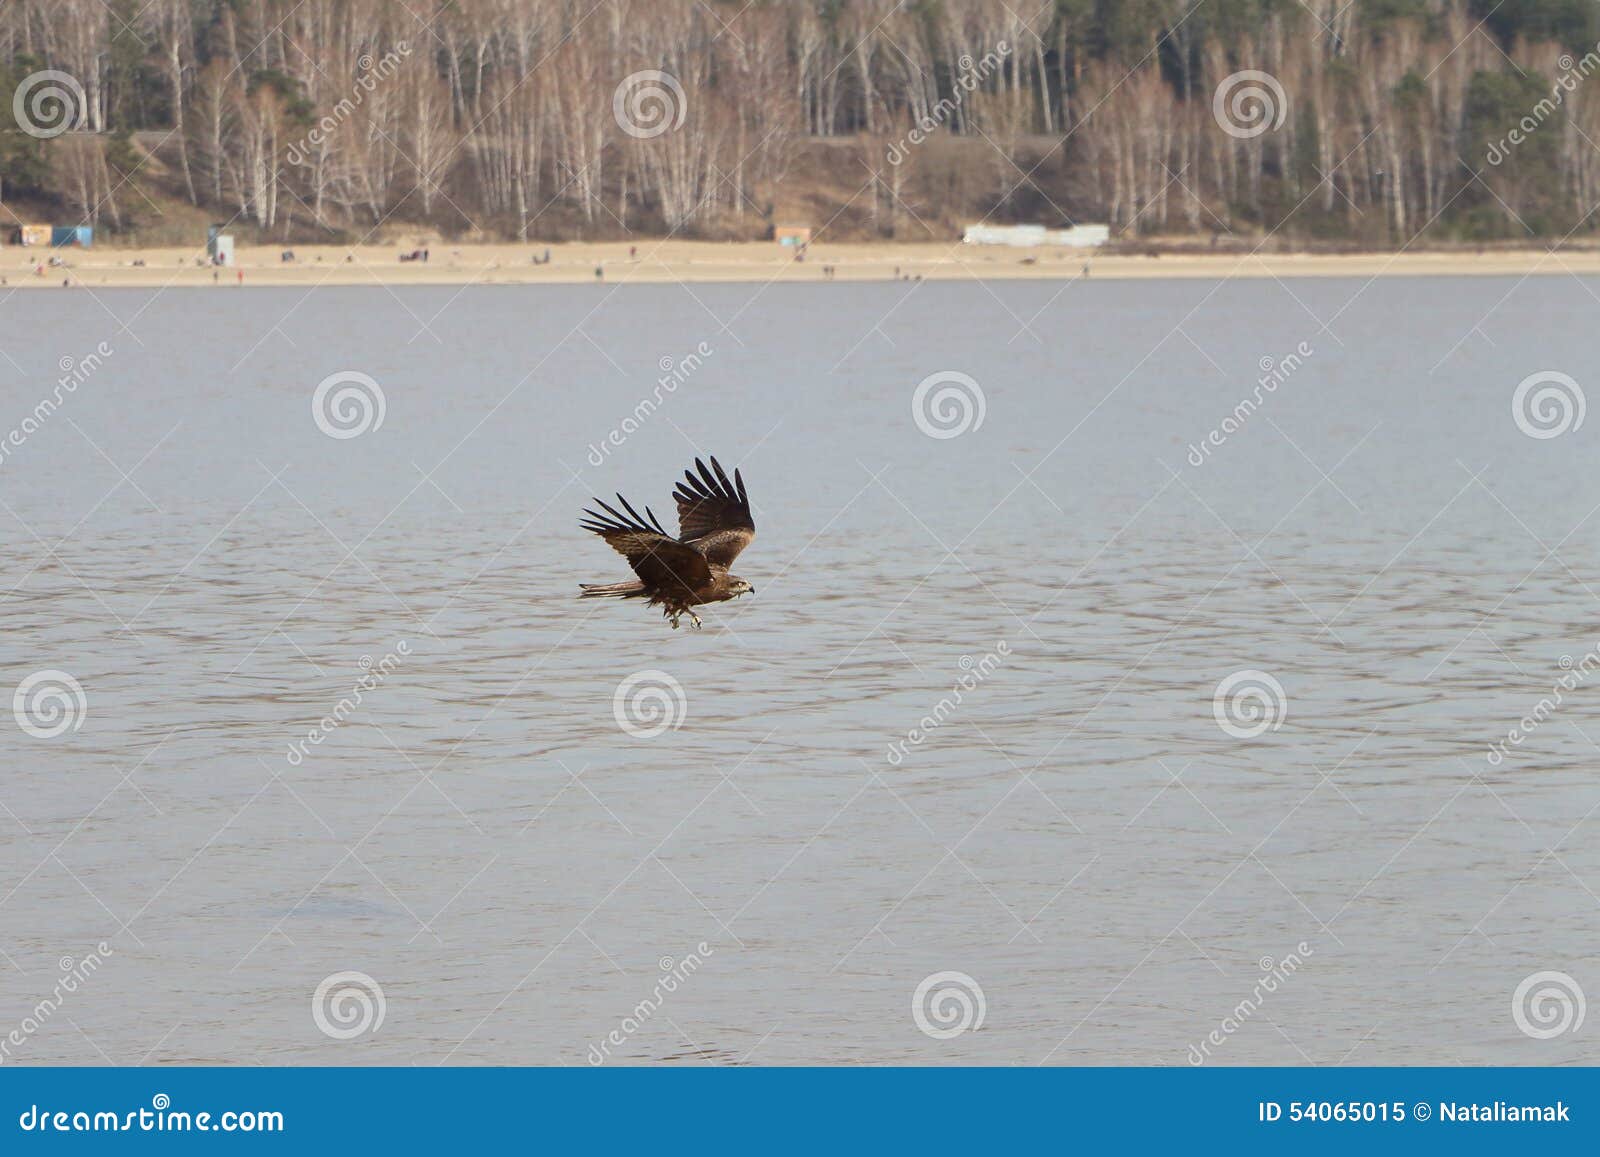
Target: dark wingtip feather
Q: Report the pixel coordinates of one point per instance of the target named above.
(614, 521)
(628, 506)
(600, 523)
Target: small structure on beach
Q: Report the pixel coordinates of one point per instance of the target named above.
(31, 235)
(219, 246)
(792, 235)
(71, 236)
(1029, 236)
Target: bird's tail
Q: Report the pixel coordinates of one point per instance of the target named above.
(611, 590)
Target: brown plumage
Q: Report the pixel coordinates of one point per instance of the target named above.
(714, 525)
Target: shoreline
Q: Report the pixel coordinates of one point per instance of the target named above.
(705, 262)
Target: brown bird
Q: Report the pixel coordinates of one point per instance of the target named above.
(714, 525)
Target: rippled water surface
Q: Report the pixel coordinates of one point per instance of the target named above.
(1078, 834)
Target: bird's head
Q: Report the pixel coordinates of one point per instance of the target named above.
(737, 586)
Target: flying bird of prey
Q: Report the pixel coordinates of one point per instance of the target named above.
(714, 525)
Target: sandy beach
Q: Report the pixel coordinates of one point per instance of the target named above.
(698, 261)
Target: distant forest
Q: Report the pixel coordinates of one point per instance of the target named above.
(1372, 122)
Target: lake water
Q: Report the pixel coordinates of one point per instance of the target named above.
(1079, 835)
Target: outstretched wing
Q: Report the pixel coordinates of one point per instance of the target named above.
(660, 560)
(714, 513)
